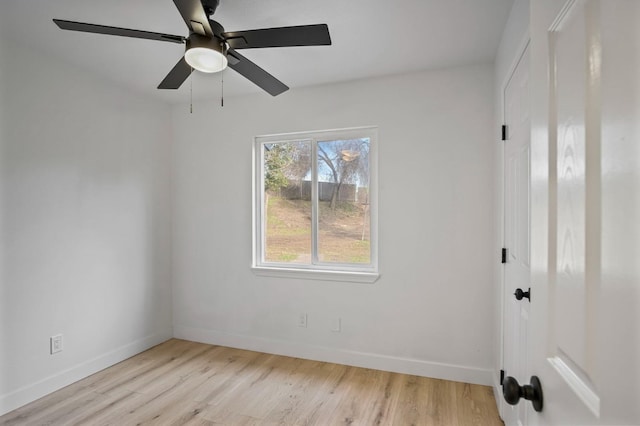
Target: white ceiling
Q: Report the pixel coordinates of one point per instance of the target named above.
(370, 38)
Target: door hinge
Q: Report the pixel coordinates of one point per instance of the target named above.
(504, 255)
(501, 377)
(504, 132)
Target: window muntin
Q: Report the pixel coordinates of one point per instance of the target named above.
(315, 201)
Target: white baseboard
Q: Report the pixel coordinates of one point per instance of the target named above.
(458, 373)
(26, 394)
(30, 393)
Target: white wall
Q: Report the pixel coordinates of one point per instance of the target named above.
(431, 312)
(85, 210)
(514, 39)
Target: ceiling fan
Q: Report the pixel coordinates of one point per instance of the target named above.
(209, 48)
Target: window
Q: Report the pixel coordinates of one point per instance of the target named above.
(315, 212)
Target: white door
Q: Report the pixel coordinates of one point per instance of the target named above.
(516, 232)
(584, 336)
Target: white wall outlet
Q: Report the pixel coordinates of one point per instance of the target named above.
(336, 325)
(302, 320)
(56, 343)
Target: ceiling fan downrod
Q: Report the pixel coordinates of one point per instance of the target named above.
(210, 7)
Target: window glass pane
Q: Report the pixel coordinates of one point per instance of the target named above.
(287, 198)
(343, 201)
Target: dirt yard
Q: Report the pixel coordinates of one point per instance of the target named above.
(340, 232)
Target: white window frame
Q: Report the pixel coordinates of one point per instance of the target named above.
(366, 273)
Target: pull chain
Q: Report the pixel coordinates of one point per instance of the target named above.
(222, 90)
(191, 93)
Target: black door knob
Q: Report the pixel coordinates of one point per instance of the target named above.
(519, 294)
(512, 392)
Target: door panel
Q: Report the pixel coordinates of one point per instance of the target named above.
(584, 335)
(574, 85)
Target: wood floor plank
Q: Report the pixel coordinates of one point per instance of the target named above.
(225, 373)
(118, 407)
(126, 374)
(443, 403)
(299, 378)
(312, 400)
(189, 383)
(162, 375)
(359, 398)
(412, 407)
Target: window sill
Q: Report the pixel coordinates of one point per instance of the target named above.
(316, 274)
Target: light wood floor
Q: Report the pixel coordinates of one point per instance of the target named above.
(181, 382)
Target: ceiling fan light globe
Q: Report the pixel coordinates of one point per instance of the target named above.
(205, 59)
(206, 54)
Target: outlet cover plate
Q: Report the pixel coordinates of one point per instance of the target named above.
(56, 343)
(302, 320)
(336, 325)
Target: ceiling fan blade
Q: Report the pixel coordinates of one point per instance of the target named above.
(194, 16)
(125, 32)
(255, 74)
(302, 35)
(176, 76)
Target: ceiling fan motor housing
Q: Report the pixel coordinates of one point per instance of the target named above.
(196, 40)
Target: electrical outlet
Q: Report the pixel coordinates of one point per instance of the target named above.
(302, 320)
(336, 325)
(56, 343)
